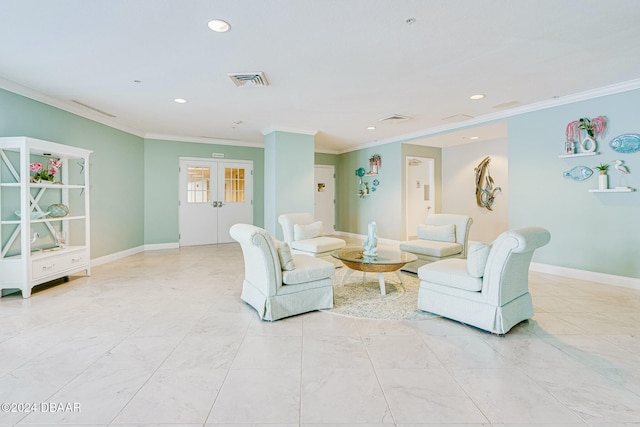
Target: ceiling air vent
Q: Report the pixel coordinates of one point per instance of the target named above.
(507, 105)
(394, 118)
(249, 79)
(457, 118)
(93, 108)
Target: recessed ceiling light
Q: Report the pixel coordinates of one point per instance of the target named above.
(219, 26)
(474, 137)
(180, 100)
(371, 128)
(478, 96)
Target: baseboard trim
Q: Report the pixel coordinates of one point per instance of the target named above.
(591, 276)
(161, 246)
(123, 254)
(116, 256)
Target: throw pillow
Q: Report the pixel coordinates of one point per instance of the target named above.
(440, 233)
(284, 254)
(477, 258)
(308, 231)
(286, 259)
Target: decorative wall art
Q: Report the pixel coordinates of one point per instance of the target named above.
(629, 143)
(485, 192)
(578, 173)
(584, 131)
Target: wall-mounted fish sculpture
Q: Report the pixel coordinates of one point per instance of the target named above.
(485, 193)
(578, 173)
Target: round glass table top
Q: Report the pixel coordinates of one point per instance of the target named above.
(385, 256)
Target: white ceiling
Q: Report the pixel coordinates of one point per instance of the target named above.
(334, 66)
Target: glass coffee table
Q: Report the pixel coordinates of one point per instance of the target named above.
(387, 260)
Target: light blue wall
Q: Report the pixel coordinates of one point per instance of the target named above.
(116, 167)
(161, 160)
(383, 205)
(387, 204)
(589, 231)
(289, 176)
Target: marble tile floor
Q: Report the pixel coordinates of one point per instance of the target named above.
(162, 338)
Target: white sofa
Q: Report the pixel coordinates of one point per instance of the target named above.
(304, 235)
(275, 293)
(436, 241)
(489, 289)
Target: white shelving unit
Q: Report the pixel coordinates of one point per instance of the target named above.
(26, 260)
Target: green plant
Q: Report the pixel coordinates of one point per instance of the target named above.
(375, 159)
(602, 167)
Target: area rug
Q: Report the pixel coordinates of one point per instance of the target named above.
(358, 298)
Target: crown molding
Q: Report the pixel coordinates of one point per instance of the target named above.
(201, 140)
(69, 107)
(501, 115)
(271, 129)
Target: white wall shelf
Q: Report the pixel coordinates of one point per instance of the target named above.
(613, 190)
(31, 251)
(566, 156)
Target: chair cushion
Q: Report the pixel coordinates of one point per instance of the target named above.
(307, 231)
(450, 272)
(440, 233)
(318, 244)
(308, 269)
(477, 258)
(431, 248)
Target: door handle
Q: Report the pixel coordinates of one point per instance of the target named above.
(220, 204)
(214, 204)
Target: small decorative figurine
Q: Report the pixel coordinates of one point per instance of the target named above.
(371, 243)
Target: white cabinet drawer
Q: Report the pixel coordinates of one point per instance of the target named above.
(58, 263)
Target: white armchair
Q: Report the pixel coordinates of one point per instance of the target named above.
(442, 236)
(304, 234)
(489, 289)
(274, 293)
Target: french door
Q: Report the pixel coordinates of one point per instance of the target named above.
(214, 195)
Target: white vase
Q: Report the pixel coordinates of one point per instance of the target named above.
(603, 181)
(588, 144)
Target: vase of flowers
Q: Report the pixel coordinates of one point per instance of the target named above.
(593, 128)
(45, 172)
(374, 163)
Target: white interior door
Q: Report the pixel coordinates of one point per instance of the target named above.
(420, 192)
(197, 217)
(214, 195)
(235, 197)
(325, 197)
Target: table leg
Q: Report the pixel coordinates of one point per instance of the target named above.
(399, 276)
(383, 290)
(348, 273)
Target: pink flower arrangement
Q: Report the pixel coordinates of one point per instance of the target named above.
(594, 128)
(45, 174)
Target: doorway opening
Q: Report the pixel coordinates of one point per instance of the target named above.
(420, 192)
